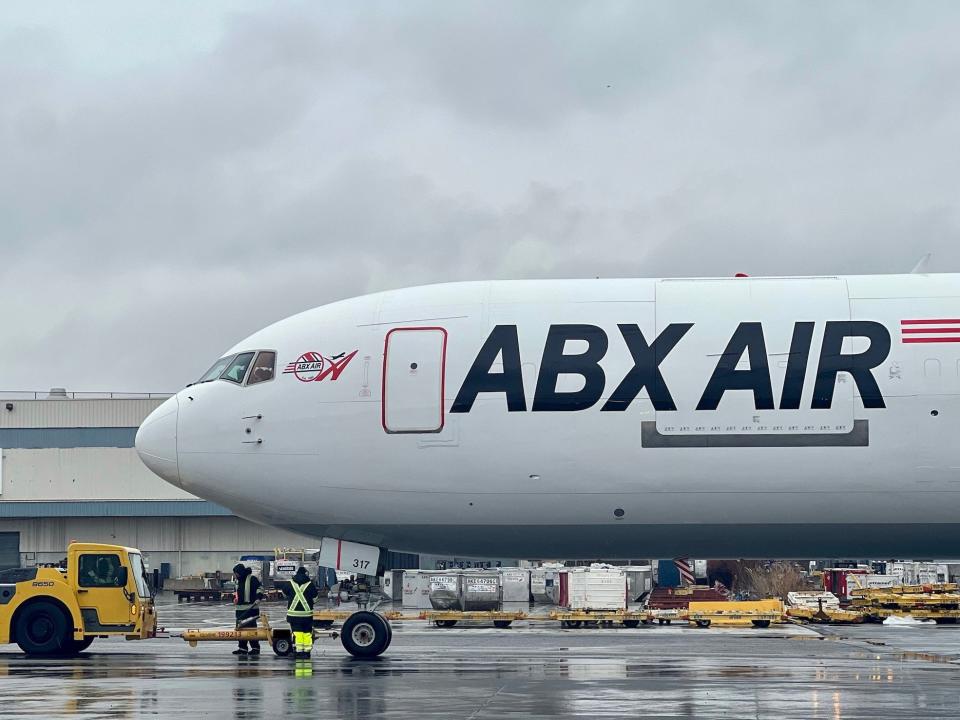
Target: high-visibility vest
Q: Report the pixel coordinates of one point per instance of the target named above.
(247, 581)
(299, 607)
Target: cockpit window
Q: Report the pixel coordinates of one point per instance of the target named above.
(218, 367)
(263, 367)
(237, 368)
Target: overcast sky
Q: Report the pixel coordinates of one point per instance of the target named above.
(171, 182)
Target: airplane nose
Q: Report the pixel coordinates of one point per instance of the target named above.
(156, 441)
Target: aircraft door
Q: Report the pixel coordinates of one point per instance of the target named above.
(413, 380)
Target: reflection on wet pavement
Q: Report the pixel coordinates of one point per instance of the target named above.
(526, 671)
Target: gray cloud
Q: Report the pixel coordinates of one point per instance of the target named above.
(159, 202)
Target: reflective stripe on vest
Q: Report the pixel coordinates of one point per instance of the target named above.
(299, 607)
(247, 581)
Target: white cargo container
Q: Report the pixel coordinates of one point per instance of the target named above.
(538, 585)
(515, 585)
(392, 586)
(545, 585)
(416, 589)
(871, 582)
(639, 581)
(595, 588)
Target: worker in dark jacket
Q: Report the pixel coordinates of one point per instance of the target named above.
(247, 606)
(300, 593)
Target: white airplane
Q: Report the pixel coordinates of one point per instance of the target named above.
(737, 417)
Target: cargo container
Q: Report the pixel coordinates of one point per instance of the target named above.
(594, 588)
(545, 585)
(281, 571)
(838, 582)
(416, 589)
(392, 585)
(480, 590)
(446, 590)
(639, 581)
(514, 585)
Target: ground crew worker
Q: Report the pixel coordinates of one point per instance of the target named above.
(300, 593)
(247, 608)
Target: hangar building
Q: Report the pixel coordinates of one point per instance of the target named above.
(69, 471)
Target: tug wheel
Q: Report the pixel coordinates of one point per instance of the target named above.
(41, 629)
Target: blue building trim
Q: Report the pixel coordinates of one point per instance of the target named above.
(112, 508)
(44, 438)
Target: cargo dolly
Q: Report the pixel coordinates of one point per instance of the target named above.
(575, 619)
(364, 634)
(939, 602)
(759, 613)
(449, 618)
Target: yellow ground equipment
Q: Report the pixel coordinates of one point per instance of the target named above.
(364, 634)
(449, 618)
(939, 602)
(102, 592)
(573, 619)
(759, 613)
(278, 638)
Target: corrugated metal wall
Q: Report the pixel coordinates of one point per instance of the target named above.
(82, 474)
(191, 545)
(101, 413)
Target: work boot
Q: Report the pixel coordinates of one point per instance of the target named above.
(240, 651)
(255, 651)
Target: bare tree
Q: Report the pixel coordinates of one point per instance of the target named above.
(771, 580)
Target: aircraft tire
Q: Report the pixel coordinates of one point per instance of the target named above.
(631, 623)
(703, 623)
(502, 624)
(761, 623)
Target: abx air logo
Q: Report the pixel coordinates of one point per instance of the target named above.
(314, 367)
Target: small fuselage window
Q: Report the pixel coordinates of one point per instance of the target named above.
(263, 367)
(237, 369)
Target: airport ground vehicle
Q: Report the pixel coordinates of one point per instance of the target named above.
(102, 592)
(364, 634)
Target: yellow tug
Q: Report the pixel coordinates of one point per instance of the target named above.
(103, 592)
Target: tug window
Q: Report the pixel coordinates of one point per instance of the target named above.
(237, 369)
(263, 367)
(99, 571)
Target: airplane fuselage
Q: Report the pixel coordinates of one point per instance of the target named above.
(597, 418)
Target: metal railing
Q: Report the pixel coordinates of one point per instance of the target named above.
(87, 395)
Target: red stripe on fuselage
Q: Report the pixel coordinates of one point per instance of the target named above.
(942, 321)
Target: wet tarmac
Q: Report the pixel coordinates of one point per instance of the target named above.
(527, 671)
